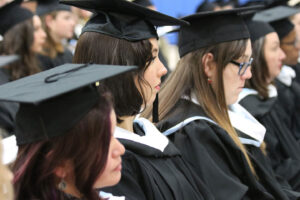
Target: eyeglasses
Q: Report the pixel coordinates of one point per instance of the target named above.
(243, 66)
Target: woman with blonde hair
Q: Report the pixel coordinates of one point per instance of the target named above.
(215, 62)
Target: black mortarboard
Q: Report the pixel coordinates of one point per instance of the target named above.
(5, 60)
(256, 29)
(144, 3)
(123, 19)
(53, 101)
(206, 6)
(209, 28)
(47, 6)
(12, 14)
(278, 19)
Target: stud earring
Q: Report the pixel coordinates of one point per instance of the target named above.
(62, 185)
(209, 80)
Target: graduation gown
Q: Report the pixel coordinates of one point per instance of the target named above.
(8, 110)
(251, 133)
(212, 153)
(153, 169)
(282, 148)
(288, 97)
(61, 58)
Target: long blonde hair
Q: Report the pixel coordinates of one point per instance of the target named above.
(6, 189)
(189, 78)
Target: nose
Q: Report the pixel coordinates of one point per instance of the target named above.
(162, 70)
(247, 74)
(118, 149)
(282, 55)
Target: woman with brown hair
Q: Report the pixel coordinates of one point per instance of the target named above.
(215, 63)
(59, 24)
(65, 136)
(260, 98)
(22, 35)
(121, 32)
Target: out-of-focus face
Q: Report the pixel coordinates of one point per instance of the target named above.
(273, 55)
(62, 26)
(233, 82)
(112, 171)
(296, 21)
(153, 74)
(290, 46)
(39, 35)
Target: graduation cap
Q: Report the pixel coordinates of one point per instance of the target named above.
(212, 27)
(257, 29)
(12, 14)
(123, 19)
(144, 3)
(5, 60)
(278, 19)
(53, 101)
(47, 6)
(206, 6)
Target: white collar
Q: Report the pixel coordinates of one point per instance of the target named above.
(109, 196)
(242, 120)
(286, 75)
(272, 91)
(10, 149)
(153, 137)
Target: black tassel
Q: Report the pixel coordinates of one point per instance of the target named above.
(155, 117)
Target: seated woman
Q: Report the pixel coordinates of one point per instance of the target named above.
(121, 32)
(65, 136)
(22, 35)
(59, 24)
(215, 63)
(260, 99)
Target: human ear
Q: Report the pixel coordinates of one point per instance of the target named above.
(209, 64)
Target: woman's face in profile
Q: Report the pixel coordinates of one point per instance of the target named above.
(112, 172)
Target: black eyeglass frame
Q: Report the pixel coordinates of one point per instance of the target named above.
(241, 65)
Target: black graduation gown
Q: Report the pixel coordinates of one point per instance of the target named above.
(213, 154)
(148, 173)
(8, 110)
(282, 148)
(289, 98)
(61, 58)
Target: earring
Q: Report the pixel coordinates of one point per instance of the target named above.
(62, 185)
(209, 80)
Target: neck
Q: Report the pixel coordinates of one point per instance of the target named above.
(127, 123)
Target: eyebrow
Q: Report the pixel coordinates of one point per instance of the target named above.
(247, 56)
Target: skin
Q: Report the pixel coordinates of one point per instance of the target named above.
(274, 55)
(111, 174)
(62, 26)
(39, 35)
(296, 21)
(290, 50)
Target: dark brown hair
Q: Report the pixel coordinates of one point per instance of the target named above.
(86, 145)
(260, 71)
(102, 49)
(18, 40)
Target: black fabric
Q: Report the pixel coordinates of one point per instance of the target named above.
(283, 27)
(282, 148)
(213, 155)
(258, 29)
(212, 27)
(61, 58)
(123, 19)
(149, 174)
(289, 98)
(277, 186)
(297, 70)
(8, 110)
(144, 3)
(47, 6)
(12, 14)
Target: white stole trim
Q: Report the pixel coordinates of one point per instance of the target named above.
(286, 75)
(10, 149)
(153, 137)
(242, 120)
(109, 196)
